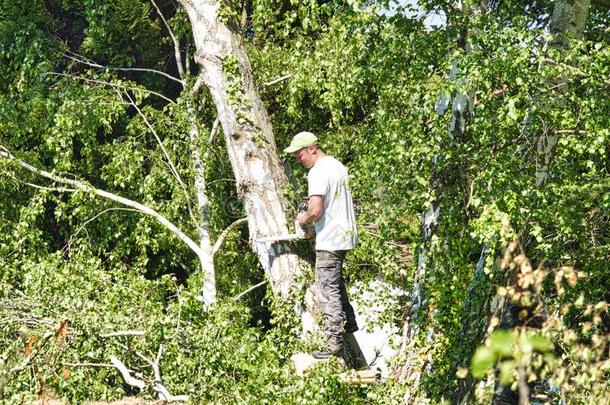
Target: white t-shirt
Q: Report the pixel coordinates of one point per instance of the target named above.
(336, 227)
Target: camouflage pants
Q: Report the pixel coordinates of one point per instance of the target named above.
(338, 313)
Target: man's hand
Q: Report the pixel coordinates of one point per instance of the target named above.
(302, 218)
(314, 210)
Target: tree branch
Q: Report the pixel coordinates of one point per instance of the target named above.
(278, 80)
(254, 287)
(159, 388)
(224, 234)
(80, 59)
(126, 373)
(198, 85)
(124, 333)
(4, 153)
(177, 54)
(214, 130)
(109, 84)
(88, 365)
(172, 167)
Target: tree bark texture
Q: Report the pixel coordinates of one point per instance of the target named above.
(249, 137)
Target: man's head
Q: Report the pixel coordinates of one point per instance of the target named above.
(304, 148)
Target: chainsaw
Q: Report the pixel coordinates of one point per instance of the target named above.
(303, 232)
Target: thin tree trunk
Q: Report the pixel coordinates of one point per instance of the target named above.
(414, 364)
(208, 290)
(206, 256)
(567, 22)
(249, 138)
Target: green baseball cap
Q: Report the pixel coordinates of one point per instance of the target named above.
(300, 141)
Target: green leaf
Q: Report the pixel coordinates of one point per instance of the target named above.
(507, 369)
(539, 342)
(502, 342)
(482, 361)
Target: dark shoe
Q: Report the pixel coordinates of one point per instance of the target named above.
(325, 353)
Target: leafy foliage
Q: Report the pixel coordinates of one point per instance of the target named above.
(376, 87)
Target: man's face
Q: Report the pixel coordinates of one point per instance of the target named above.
(305, 156)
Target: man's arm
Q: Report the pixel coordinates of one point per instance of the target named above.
(314, 210)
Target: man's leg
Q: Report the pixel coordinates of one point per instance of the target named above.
(350, 317)
(328, 279)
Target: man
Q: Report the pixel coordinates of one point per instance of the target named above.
(331, 210)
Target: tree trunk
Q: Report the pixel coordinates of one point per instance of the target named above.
(568, 22)
(208, 289)
(414, 364)
(249, 138)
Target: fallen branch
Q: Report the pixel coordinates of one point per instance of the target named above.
(126, 373)
(88, 365)
(32, 354)
(159, 388)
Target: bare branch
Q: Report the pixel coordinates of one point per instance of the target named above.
(214, 130)
(278, 80)
(163, 393)
(80, 59)
(39, 187)
(166, 154)
(187, 57)
(126, 373)
(254, 287)
(124, 333)
(88, 365)
(109, 84)
(224, 234)
(198, 85)
(177, 54)
(105, 194)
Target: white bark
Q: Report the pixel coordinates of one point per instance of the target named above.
(249, 138)
(208, 290)
(206, 260)
(126, 373)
